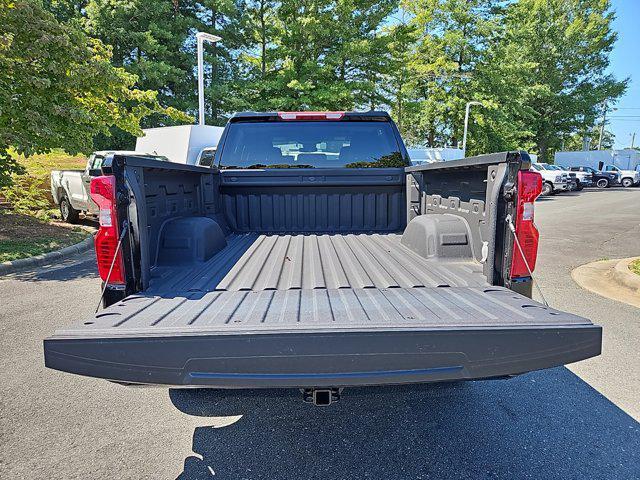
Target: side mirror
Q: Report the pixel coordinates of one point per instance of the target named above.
(206, 156)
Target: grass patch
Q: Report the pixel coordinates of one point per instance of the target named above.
(23, 236)
(635, 266)
(38, 165)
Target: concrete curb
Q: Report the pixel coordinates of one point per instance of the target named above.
(626, 277)
(15, 265)
(604, 278)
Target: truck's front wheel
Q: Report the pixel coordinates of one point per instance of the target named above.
(67, 212)
(547, 189)
(602, 183)
(627, 182)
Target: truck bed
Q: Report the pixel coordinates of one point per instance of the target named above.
(299, 282)
(351, 309)
(288, 262)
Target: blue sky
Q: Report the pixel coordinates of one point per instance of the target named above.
(625, 62)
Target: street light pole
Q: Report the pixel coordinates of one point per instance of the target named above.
(201, 37)
(466, 124)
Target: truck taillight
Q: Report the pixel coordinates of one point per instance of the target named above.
(103, 193)
(529, 187)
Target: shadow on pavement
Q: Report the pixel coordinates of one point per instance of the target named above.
(585, 191)
(546, 425)
(73, 268)
(605, 190)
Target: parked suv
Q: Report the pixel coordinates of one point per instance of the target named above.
(598, 178)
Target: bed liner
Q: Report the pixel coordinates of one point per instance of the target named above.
(301, 282)
(285, 262)
(319, 310)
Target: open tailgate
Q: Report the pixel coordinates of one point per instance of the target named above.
(322, 338)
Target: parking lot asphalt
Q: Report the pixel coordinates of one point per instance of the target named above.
(575, 422)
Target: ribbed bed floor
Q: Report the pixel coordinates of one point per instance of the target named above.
(263, 283)
(307, 262)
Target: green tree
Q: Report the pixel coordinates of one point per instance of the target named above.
(400, 85)
(223, 68)
(360, 57)
(452, 41)
(257, 80)
(537, 66)
(149, 39)
(58, 88)
(65, 10)
(155, 40)
(302, 79)
(560, 49)
(315, 54)
(575, 141)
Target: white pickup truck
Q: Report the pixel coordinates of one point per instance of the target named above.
(627, 178)
(70, 188)
(552, 181)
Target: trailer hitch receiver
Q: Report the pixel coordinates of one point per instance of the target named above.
(321, 397)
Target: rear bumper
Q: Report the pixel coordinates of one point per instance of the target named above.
(331, 359)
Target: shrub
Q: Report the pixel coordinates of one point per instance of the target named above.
(29, 195)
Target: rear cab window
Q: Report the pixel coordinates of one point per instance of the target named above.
(311, 144)
(97, 162)
(94, 163)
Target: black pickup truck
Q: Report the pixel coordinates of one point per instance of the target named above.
(313, 256)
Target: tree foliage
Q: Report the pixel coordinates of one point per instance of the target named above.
(58, 87)
(561, 48)
(452, 37)
(538, 66)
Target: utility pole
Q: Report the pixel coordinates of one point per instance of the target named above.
(633, 139)
(604, 120)
(466, 124)
(200, 39)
